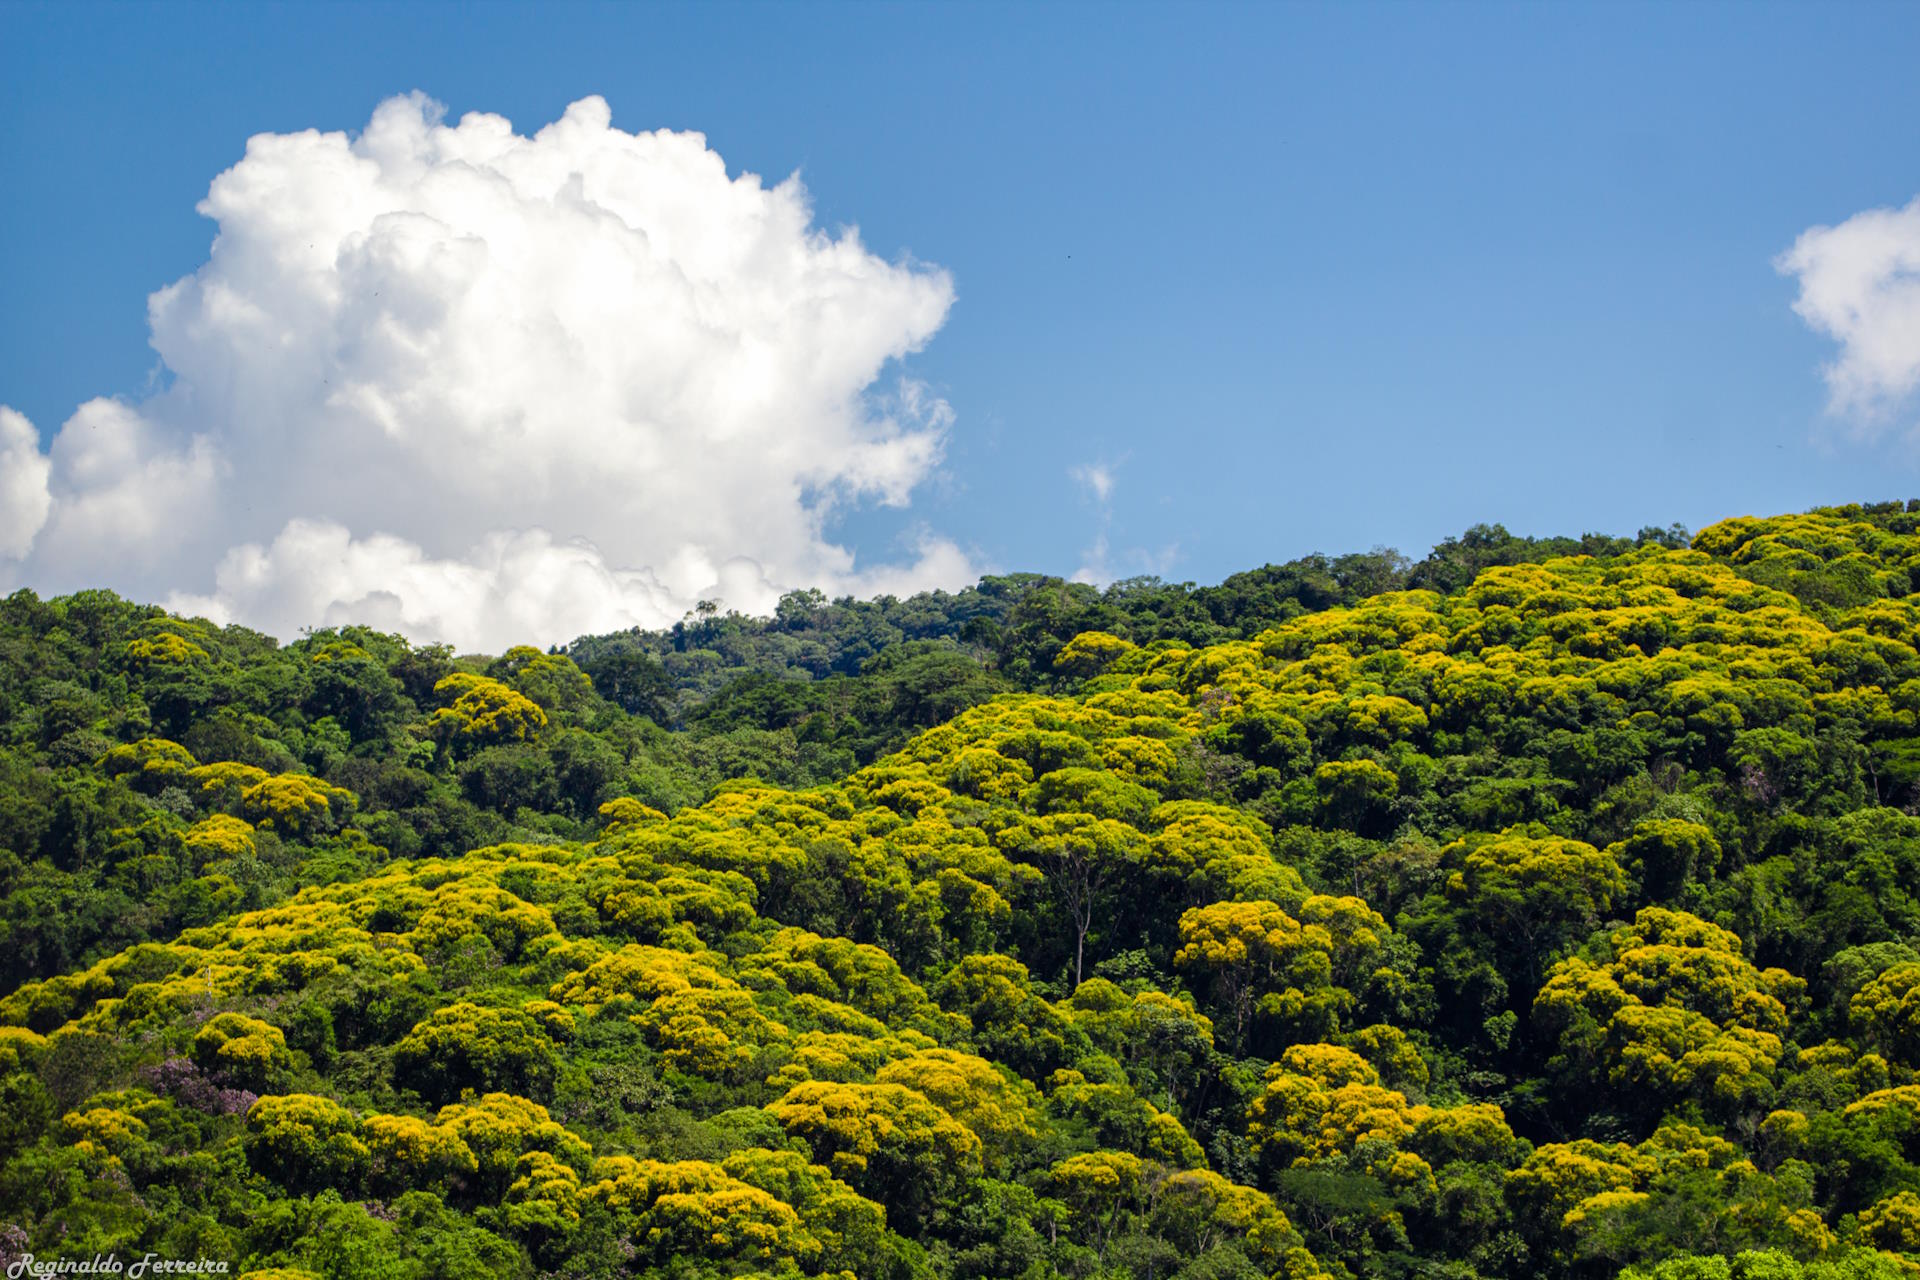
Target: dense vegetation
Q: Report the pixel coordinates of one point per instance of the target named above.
(1542, 908)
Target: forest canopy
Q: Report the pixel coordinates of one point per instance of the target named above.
(1543, 907)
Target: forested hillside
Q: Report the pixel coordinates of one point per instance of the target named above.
(1540, 908)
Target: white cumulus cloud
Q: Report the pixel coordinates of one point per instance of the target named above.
(24, 499)
(490, 388)
(1860, 284)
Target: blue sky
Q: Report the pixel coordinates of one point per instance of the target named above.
(1299, 277)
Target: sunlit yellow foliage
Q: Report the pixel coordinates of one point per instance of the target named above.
(858, 975)
(708, 1031)
(1525, 882)
(544, 1194)
(1887, 1011)
(294, 800)
(692, 1208)
(156, 759)
(1665, 852)
(1215, 852)
(1001, 1109)
(1903, 1100)
(1090, 653)
(500, 1128)
(984, 773)
(1893, 1223)
(1353, 790)
(108, 1129)
(1786, 1130)
(225, 775)
(1257, 956)
(1556, 1179)
(1198, 1209)
(844, 1222)
(164, 649)
(1098, 1182)
(1678, 1011)
(851, 1127)
(639, 973)
(305, 1141)
(944, 855)
(628, 812)
(669, 904)
(1472, 1131)
(845, 1055)
(1822, 555)
(1583, 1186)
(1322, 1100)
(248, 1049)
(19, 1048)
(461, 909)
(464, 1046)
(484, 710)
(219, 836)
(409, 1152)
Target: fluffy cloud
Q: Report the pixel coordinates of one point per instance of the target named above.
(24, 499)
(490, 388)
(1860, 284)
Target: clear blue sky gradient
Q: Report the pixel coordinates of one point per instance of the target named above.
(1310, 277)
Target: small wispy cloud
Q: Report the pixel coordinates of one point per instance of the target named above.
(1097, 477)
(1094, 569)
(1100, 563)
